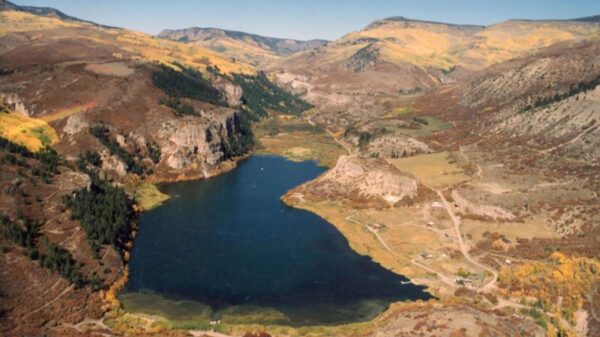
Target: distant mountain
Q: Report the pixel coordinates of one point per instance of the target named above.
(407, 20)
(595, 18)
(44, 11)
(250, 47)
(398, 54)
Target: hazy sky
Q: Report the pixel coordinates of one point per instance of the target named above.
(307, 19)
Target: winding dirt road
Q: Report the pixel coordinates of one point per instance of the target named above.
(492, 283)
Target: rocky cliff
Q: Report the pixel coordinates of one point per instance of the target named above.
(362, 182)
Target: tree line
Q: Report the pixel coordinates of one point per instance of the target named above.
(105, 213)
(575, 89)
(260, 95)
(186, 83)
(26, 233)
(47, 159)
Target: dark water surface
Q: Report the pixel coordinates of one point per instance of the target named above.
(229, 242)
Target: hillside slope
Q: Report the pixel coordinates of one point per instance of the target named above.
(120, 108)
(548, 100)
(44, 11)
(399, 54)
(251, 48)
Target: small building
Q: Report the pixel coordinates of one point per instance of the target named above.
(376, 226)
(464, 281)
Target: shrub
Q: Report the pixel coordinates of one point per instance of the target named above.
(179, 108)
(60, 260)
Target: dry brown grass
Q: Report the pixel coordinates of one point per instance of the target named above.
(299, 141)
(142, 46)
(113, 69)
(434, 170)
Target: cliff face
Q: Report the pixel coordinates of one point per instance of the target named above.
(190, 142)
(130, 108)
(101, 82)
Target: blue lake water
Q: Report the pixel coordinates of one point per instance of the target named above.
(229, 242)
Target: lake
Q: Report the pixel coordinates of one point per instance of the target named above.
(228, 248)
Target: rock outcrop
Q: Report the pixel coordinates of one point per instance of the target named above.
(467, 207)
(397, 145)
(360, 181)
(75, 124)
(199, 143)
(16, 104)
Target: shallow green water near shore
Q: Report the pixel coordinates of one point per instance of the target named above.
(227, 248)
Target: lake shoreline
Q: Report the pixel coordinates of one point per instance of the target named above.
(332, 226)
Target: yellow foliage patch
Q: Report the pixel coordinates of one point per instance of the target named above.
(445, 46)
(30, 132)
(141, 45)
(168, 52)
(14, 21)
(247, 51)
(560, 276)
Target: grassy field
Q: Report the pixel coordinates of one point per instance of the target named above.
(297, 140)
(112, 69)
(30, 132)
(400, 111)
(148, 196)
(433, 125)
(434, 170)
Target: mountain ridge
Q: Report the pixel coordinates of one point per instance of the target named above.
(420, 54)
(48, 12)
(592, 18)
(252, 48)
(271, 41)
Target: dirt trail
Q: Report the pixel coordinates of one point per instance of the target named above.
(202, 333)
(69, 288)
(571, 141)
(543, 152)
(70, 236)
(502, 303)
(347, 147)
(479, 172)
(492, 283)
(445, 279)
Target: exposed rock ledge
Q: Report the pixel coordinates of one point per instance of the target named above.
(195, 147)
(467, 207)
(361, 181)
